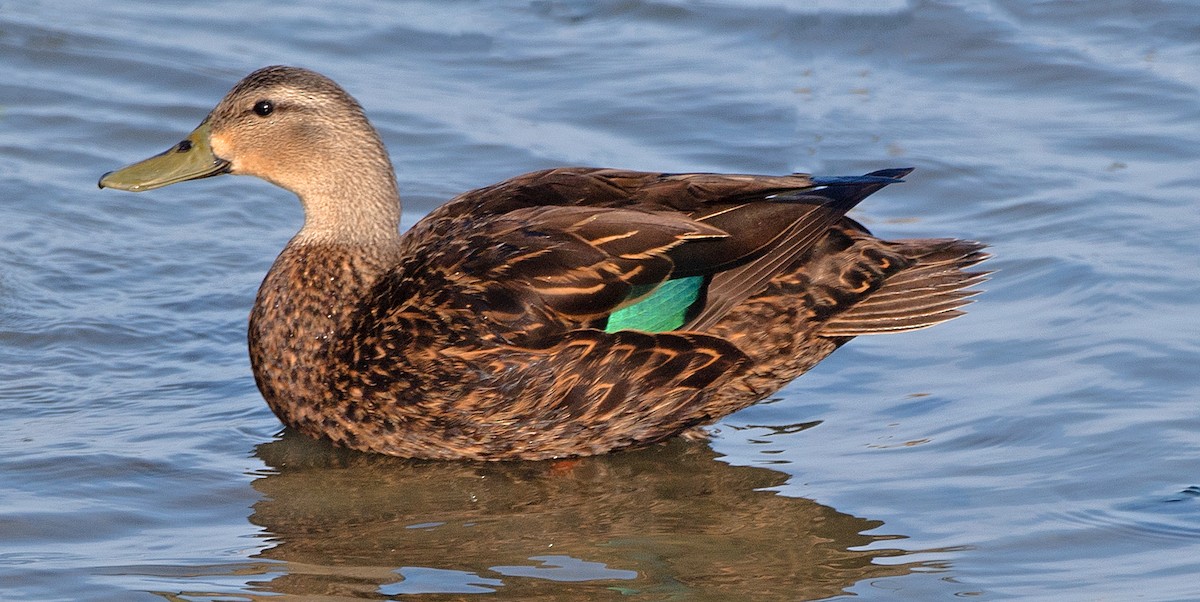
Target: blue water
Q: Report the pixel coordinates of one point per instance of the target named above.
(1046, 446)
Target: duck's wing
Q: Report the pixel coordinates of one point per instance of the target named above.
(580, 263)
(744, 229)
(535, 272)
(502, 315)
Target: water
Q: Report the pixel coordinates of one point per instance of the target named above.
(1043, 447)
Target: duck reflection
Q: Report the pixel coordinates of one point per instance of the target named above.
(668, 521)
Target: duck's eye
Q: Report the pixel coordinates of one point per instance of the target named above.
(263, 108)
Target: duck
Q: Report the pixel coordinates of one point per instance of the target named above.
(566, 312)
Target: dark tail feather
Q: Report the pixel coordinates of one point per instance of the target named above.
(930, 292)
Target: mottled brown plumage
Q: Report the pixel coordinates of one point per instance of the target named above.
(481, 332)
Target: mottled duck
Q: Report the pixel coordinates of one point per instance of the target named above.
(565, 312)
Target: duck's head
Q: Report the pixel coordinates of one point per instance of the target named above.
(290, 126)
(298, 130)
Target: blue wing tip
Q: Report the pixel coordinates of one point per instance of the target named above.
(882, 176)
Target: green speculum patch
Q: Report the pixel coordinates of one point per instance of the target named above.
(667, 308)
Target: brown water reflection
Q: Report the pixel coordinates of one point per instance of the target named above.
(667, 522)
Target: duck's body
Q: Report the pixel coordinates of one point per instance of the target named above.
(565, 312)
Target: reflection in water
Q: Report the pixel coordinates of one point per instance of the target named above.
(667, 521)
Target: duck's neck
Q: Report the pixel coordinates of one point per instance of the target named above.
(345, 182)
(352, 208)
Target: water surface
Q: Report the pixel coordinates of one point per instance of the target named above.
(1043, 447)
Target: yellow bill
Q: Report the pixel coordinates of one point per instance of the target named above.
(191, 159)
